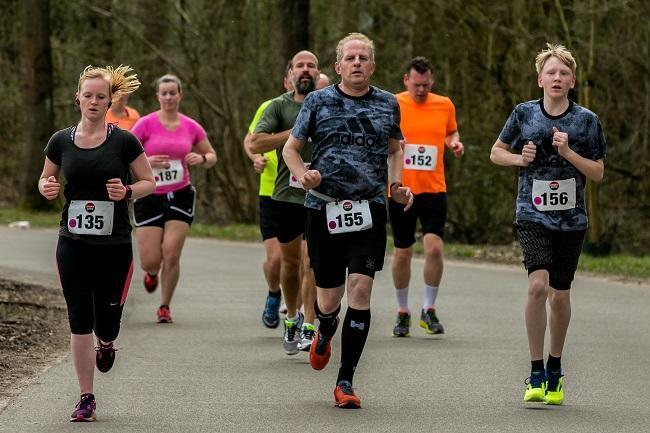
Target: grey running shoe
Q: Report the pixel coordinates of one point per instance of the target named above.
(402, 325)
(291, 337)
(307, 333)
(429, 321)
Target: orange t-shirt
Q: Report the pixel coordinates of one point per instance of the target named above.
(127, 122)
(425, 125)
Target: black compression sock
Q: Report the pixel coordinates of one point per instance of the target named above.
(354, 334)
(328, 322)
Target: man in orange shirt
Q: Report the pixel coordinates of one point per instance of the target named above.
(428, 123)
(122, 115)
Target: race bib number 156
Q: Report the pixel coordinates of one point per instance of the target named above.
(550, 195)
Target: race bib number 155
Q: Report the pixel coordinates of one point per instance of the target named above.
(348, 216)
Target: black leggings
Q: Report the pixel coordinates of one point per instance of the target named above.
(95, 279)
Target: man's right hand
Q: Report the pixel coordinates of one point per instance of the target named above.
(311, 179)
(259, 163)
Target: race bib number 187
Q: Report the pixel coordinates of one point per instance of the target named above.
(348, 216)
(171, 175)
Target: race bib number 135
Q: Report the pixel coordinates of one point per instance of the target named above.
(87, 217)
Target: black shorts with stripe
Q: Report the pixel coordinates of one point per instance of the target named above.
(156, 209)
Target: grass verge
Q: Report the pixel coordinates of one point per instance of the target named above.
(618, 265)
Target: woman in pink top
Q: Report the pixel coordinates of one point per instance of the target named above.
(172, 142)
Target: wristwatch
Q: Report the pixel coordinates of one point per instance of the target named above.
(129, 192)
(394, 185)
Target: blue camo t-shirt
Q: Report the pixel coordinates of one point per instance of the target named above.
(350, 142)
(530, 122)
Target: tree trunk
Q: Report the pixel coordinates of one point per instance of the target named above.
(37, 97)
(294, 22)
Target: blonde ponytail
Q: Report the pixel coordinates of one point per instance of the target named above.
(119, 83)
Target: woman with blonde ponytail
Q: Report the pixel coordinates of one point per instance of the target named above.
(94, 254)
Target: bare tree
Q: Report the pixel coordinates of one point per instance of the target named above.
(37, 96)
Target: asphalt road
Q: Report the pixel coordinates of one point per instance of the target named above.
(217, 369)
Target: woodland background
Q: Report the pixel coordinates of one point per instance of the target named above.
(231, 57)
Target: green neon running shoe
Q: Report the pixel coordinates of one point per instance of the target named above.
(535, 386)
(554, 387)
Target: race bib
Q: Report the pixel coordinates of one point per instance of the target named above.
(91, 217)
(171, 175)
(554, 194)
(293, 180)
(348, 216)
(420, 157)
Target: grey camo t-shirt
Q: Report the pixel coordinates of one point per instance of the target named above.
(530, 122)
(350, 142)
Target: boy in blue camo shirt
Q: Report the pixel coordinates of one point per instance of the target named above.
(558, 145)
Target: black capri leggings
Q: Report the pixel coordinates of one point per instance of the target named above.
(95, 279)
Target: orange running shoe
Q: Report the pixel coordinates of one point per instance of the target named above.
(344, 396)
(320, 351)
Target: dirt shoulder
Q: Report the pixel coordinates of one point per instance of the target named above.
(33, 333)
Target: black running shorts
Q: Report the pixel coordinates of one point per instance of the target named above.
(95, 279)
(155, 210)
(334, 256)
(555, 251)
(268, 218)
(431, 209)
(290, 220)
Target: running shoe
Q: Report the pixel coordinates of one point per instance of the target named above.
(344, 396)
(150, 282)
(84, 411)
(320, 351)
(554, 387)
(306, 337)
(270, 316)
(291, 337)
(429, 321)
(164, 315)
(402, 325)
(535, 386)
(104, 355)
